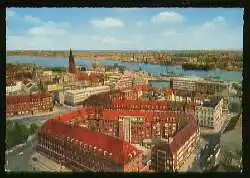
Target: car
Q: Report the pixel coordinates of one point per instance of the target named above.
(34, 159)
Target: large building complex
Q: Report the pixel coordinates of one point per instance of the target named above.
(83, 150)
(30, 104)
(198, 85)
(105, 136)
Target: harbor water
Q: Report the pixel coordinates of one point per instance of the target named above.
(154, 69)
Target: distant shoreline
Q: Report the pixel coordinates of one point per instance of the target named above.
(79, 57)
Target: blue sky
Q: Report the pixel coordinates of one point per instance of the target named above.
(124, 28)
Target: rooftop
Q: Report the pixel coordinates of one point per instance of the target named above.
(119, 149)
(211, 103)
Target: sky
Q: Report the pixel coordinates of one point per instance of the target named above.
(124, 28)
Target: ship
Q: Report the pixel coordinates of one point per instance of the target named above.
(190, 66)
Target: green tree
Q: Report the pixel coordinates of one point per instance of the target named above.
(33, 128)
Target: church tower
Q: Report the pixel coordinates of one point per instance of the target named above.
(72, 66)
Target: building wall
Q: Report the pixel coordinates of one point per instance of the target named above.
(31, 105)
(14, 88)
(210, 117)
(163, 160)
(186, 85)
(54, 87)
(135, 131)
(78, 96)
(81, 157)
(186, 150)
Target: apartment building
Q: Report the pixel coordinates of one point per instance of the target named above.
(198, 85)
(81, 149)
(30, 104)
(73, 97)
(210, 114)
(172, 155)
(14, 88)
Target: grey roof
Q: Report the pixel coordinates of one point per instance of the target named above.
(211, 103)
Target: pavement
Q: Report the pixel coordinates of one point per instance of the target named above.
(18, 160)
(45, 164)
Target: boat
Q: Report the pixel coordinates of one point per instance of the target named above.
(190, 66)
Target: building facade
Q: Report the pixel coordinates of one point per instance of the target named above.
(30, 104)
(80, 149)
(200, 86)
(210, 114)
(73, 97)
(173, 155)
(14, 88)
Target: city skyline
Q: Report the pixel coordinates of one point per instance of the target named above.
(124, 29)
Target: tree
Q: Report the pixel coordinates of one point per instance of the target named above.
(33, 128)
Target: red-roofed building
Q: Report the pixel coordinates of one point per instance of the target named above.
(30, 104)
(14, 73)
(143, 88)
(82, 149)
(91, 78)
(172, 155)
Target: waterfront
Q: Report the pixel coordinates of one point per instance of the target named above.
(151, 68)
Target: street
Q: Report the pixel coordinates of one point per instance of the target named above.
(19, 158)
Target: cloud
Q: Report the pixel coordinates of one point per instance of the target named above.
(213, 34)
(167, 17)
(108, 22)
(32, 19)
(51, 35)
(50, 29)
(10, 13)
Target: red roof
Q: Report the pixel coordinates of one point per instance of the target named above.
(91, 77)
(129, 103)
(120, 149)
(169, 91)
(148, 115)
(183, 135)
(143, 87)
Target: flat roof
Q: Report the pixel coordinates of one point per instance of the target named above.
(211, 103)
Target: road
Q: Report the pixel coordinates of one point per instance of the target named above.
(17, 162)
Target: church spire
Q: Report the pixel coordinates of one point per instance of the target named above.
(70, 52)
(72, 67)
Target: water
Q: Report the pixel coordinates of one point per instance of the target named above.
(159, 84)
(152, 68)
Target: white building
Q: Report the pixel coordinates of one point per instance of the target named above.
(73, 97)
(14, 88)
(210, 115)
